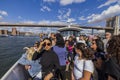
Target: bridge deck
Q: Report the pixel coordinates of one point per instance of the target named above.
(54, 25)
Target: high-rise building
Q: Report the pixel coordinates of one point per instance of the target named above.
(110, 22)
(6, 32)
(114, 22)
(0, 32)
(3, 32)
(14, 32)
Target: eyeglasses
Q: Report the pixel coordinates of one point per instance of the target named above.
(46, 44)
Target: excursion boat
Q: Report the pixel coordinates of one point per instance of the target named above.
(18, 72)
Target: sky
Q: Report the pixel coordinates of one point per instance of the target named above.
(82, 12)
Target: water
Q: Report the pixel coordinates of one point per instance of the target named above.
(11, 49)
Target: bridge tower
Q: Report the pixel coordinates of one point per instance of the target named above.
(14, 32)
(114, 23)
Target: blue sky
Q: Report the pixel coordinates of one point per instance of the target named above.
(83, 12)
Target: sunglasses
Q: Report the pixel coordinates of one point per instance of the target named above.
(46, 44)
(106, 34)
(93, 43)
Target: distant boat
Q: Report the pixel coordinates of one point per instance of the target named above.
(4, 35)
(68, 31)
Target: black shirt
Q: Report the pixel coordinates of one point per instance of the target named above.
(49, 61)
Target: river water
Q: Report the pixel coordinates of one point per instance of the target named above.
(11, 49)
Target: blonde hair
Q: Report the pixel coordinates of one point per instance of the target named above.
(30, 53)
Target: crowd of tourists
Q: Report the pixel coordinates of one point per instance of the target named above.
(83, 58)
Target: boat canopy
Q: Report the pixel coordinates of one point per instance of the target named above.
(70, 29)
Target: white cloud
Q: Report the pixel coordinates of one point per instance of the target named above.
(3, 22)
(68, 13)
(3, 13)
(29, 29)
(108, 3)
(45, 8)
(1, 17)
(71, 20)
(110, 12)
(64, 14)
(19, 17)
(82, 18)
(58, 22)
(91, 16)
(49, 0)
(82, 12)
(28, 22)
(51, 22)
(118, 1)
(6, 28)
(67, 2)
(44, 22)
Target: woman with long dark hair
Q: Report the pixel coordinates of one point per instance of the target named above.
(83, 65)
(61, 52)
(48, 59)
(113, 58)
(99, 57)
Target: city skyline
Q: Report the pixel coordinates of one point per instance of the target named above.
(82, 12)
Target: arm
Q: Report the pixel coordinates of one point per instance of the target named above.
(37, 55)
(53, 63)
(86, 75)
(88, 70)
(72, 76)
(48, 76)
(110, 78)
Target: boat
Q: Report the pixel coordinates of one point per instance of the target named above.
(70, 31)
(66, 31)
(16, 72)
(3, 35)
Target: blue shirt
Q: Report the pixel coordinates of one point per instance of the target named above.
(35, 66)
(61, 53)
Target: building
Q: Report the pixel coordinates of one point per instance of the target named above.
(14, 32)
(18, 33)
(3, 32)
(110, 22)
(113, 22)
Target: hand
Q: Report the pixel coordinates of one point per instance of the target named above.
(40, 46)
(72, 76)
(27, 67)
(26, 48)
(41, 43)
(48, 77)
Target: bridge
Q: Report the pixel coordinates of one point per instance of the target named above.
(53, 25)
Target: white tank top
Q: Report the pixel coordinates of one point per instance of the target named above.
(80, 65)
